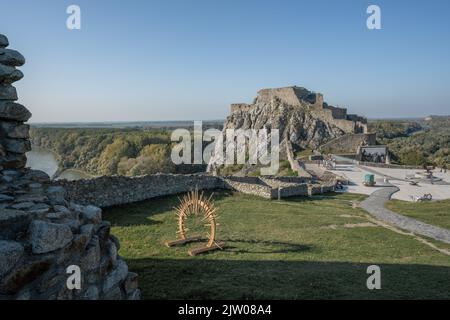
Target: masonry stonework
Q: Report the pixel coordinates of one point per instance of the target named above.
(42, 234)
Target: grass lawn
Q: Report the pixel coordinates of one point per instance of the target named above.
(433, 212)
(298, 248)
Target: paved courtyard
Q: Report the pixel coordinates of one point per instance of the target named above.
(396, 177)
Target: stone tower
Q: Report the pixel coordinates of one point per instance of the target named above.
(14, 142)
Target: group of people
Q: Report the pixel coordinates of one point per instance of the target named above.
(328, 162)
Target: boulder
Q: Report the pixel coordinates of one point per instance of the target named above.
(91, 258)
(92, 214)
(56, 195)
(4, 197)
(112, 252)
(24, 273)
(118, 274)
(13, 161)
(9, 74)
(113, 294)
(22, 205)
(15, 130)
(47, 237)
(8, 92)
(10, 254)
(39, 209)
(135, 295)
(17, 145)
(13, 111)
(87, 229)
(91, 293)
(3, 41)
(12, 58)
(13, 222)
(131, 282)
(37, 176)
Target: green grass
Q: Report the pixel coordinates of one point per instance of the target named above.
(291, 249)
(285, 169)
(434, 212)
(304, 154)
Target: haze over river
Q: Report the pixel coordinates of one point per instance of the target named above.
(45, 160)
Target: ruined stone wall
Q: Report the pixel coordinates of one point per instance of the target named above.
(115, 190)
(349, 143)
(118, 190)
(337, 113)
(14, 142)
(239, 107)
(42, 234)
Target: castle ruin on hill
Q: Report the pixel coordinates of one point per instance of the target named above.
(302, 98)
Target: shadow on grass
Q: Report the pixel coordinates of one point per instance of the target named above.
(203, 278)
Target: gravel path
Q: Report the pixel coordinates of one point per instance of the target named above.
(374, 204)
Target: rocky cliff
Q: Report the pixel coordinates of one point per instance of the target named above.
(301, 116)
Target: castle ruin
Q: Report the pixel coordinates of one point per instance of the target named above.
(44, 237)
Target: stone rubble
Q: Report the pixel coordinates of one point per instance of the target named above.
(41, 232)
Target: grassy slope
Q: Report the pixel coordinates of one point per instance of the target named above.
(434, 212)
(277, 250)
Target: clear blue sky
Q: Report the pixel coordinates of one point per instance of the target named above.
(189, 59)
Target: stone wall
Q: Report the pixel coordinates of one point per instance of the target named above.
(118, 190)
(338, 113)
(251, 185)
(42, 234)
(240, 107)
(14, 142)
(390, 166)
(349, 143)
(296, 165)
(114, 190)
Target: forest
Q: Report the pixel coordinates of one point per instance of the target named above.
(421, 142)
(111, 151)
(137, 151)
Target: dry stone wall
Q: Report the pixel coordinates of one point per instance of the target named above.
(14, 136)
(115, 190)
(42, 234)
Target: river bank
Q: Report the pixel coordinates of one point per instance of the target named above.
(46, 160)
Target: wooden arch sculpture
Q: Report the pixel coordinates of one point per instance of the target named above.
(193, 204)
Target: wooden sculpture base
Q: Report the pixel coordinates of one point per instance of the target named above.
(196, 251)
(182, 241)
(200, 250)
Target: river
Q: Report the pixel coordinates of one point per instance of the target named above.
(45, 160)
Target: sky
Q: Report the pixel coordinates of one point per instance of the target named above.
(144, 60)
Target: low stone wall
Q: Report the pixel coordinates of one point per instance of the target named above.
(253, 186)
(389, 166)
(279, 187)
(294, 190)
(115, 190)
(322, 188)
